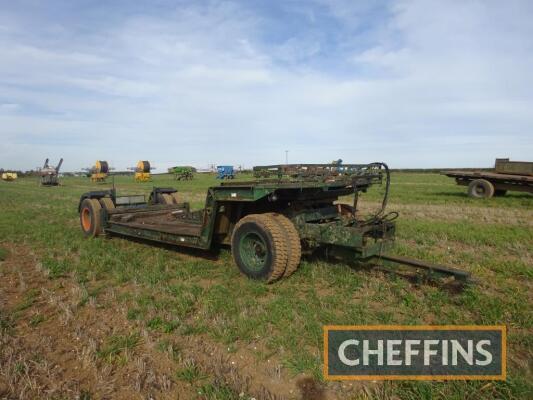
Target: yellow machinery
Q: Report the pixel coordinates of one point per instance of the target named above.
(9, 176)
(100, 171)
(142, 171)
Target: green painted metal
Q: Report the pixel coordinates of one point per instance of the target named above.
(240, 193)
(156, 236)
(279, 195)
(253, 251)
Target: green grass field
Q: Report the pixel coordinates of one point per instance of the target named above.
(168, 294)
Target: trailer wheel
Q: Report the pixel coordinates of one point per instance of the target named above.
(175, 197)
(481, 189)
(500, 192)
(90, 221)
(166, 199)
(294, 246)
(107, 203)
(259, 247)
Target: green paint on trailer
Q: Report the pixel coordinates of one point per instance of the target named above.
(308, 201)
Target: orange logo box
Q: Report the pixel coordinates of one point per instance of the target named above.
(425, 352)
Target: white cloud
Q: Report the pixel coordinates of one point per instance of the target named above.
(9, 107)
(203, 84)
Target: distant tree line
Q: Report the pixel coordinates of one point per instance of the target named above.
(33, 172)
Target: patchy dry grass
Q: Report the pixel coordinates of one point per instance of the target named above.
(119, 347)
(3, 254)
(206, 329)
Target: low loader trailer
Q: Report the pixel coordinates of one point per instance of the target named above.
(269, 222)
(506, 176)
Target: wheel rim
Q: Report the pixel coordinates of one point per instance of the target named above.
(480, 190)
(86, 219)
(253, 251)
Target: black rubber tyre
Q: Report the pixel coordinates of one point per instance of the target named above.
(480, 189)
(102, 167)
(143, 166)
(259, 247)
(90, 221)
(107, 203)
(294, 246)
(500, 192)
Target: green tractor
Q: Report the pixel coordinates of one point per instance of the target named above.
(182, 173)
(269, 222)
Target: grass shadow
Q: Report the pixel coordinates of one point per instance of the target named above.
(449, 284)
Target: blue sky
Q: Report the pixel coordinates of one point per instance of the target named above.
(415, 83)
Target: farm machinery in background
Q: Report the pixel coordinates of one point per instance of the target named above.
(182, 173)
(225, 172)
(9, 176)
(269, 222)
(507, 175)
(142, 171)
(99, 171)
(50, 174)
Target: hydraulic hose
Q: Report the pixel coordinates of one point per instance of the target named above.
(380, 216)
(387, 187)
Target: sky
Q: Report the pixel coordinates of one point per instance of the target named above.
(414, 83)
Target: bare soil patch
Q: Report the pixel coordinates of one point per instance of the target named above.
(58, 341)
(52, 344)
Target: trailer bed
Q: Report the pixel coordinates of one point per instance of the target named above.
(173, 220)
(180, 228)
(488, 175)
(485, 184)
